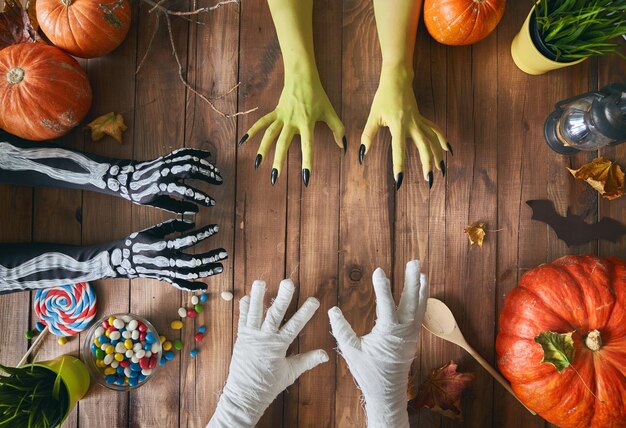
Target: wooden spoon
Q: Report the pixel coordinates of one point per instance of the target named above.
(440, 321)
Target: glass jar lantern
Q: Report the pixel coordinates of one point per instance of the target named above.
(589, 121)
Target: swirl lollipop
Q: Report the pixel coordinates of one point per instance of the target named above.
(65, 311)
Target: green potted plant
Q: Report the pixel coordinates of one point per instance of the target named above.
(41, 395)
(560, 33)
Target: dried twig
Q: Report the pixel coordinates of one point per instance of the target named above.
(197, 11)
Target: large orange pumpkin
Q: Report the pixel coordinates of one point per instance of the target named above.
(462, 22)
(585, 295)
(43, 91)
(84, 28)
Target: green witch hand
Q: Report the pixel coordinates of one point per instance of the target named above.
(302, 104)
(395, 106)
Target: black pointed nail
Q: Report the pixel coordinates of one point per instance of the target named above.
(361, 154)
(258, 160)
(345, 145)
(399, 179)
(431, 178)
(450, 149)
(274, 176)
(306, 175)
(243, 139)
(442, 165)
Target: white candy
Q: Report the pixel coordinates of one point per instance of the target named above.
(127, 334)
(182, 312)
(120, 348)
(129, 353)
(135, 334)
(148, 354)
(118, 323)
(194, 300)
(104, 346)
(99, 332)
(127, 318)
(108, 359)
(140, 354)
(114, 364)
(134, 359)
(146, 372)
(227, 295)
(132, 325)
(115, 335)
(127, 371)
(137, 347)
(156, 347)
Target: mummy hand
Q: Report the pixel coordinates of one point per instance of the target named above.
(149, 254)
(380, 361)
(259, 369)
(157, 183)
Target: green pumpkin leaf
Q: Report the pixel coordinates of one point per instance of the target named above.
(558, 349)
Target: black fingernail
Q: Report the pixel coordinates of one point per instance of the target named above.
(442, 165)
(399, 179)
(361, 154)
(345, 145)
(306, 175)
(258, 160)
(274, 176)
(431, 178)
(243, 139)
(450, 149)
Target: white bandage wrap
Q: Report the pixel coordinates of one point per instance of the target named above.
(381, 360)
(259, 369)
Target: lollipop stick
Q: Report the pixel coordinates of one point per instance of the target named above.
(35, 344)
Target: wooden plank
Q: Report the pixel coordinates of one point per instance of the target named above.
(366, 201)
(107, 218)
(212, 69)
(260, 236)
(159, 129)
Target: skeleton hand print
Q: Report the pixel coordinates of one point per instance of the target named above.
(155, 183)
(148, 254)
(144, 254)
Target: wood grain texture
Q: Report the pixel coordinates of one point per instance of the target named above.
(331, 236)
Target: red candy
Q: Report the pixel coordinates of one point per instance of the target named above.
(105, 324)
(125, 363)
(191, 313)
(153, 362)
(142, 327)
(199, 337)
(144, 363)
(111, 329)
(142, 336)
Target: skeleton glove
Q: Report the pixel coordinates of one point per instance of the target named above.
(259, 369)
(145, 254)
(380, 361)
(155, 183)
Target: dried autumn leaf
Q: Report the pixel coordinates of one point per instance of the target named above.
(110, 124)
(18, 23)
(441, 392)
(604, 175)
(476, 234)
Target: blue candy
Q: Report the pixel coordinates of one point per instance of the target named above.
(135, 367)
(147, 347)
(115, 342)
(151, 338)
(119, 370)
(120, 381)
(94, 348)
(169, 355)
(204, 297)
(193, 353)
(39, 326)
(133, 375)
(202, 329)
(133, 382)
(103, 339)
(142, 377)
(163, 361)
(110, 379)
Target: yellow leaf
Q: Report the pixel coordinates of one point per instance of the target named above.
(476, 233)
(604, 175)
(110, 124)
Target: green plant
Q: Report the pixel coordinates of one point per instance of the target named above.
(576, 29)
(32, 397)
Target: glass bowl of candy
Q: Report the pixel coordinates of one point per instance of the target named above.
(122, 351)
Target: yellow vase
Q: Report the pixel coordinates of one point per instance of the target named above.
(528, 58)
(74, 376)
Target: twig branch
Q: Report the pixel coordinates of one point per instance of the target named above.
(158, 5)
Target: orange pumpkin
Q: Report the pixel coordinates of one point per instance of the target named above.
(462, 22)
(84, 28)
(44, 92)
(585, 295)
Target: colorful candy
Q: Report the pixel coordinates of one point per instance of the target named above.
(66, 310)
(202, 329)
(194, 300)
(198, 337)
(227, 295)
(29, 334)
(191, 313)
(193, 353)
(176, 325)
(178, 345)
(204, 297)
(182, 312)
(198, 308)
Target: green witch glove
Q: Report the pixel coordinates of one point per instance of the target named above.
(303, 101)
(394, 104)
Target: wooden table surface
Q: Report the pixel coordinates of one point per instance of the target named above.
(330, 236)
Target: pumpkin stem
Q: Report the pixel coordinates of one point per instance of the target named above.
(593, 340)
(67, 3)
(15, 75)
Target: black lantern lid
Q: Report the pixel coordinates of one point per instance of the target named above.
(609, 111)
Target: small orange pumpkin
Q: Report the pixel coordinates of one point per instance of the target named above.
(462, 22)
(44, 92)
(84, 28)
